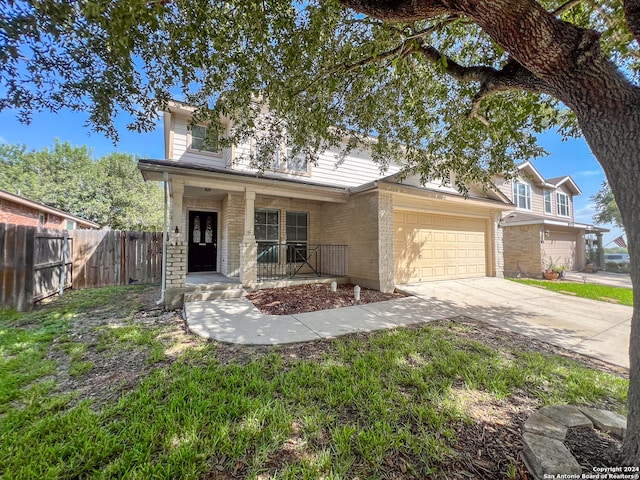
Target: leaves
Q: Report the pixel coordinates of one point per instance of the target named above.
(607, 210)
(324, 72)
(109, 191)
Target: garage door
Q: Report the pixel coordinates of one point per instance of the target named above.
(561, 248)
(437, 247)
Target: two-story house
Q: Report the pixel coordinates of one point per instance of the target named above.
(331, 218)
(542, 230)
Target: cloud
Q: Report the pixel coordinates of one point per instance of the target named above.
(585, 214)
(589, 173)
(3, 140)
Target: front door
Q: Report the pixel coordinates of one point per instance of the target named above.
(203, 241)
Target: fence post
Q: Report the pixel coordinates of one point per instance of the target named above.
(63, 268)
(26, 282)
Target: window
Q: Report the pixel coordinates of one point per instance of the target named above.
(297, 164)
(547, 201)
(522, 196)
(71, 224)
(267, 231)
(42, 219)
(563, 204)
(297, 236)
(198, 137)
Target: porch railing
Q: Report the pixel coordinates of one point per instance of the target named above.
(288, 260)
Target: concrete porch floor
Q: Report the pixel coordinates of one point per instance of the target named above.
(209, 278)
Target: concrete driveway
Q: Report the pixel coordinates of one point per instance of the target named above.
(594, 328)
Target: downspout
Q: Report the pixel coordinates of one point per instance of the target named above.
(165, 234)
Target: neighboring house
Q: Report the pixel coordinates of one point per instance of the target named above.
(22, 211)
(542, 230)
(322, 219)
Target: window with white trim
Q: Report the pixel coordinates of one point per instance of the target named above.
(298, 163)
(42, 219)
(547, 201)
(522, 196)
(297, 236)
(562, 200)
(267, 231)
(199, 140)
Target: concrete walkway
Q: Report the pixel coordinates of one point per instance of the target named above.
(593, 328)
(601, 278)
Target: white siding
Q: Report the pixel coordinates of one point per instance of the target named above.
(356, 169)
(182, 153)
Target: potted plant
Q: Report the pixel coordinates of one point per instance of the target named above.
(553, 272)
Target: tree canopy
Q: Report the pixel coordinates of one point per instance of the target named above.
(438, 93)
(109, 190)
(607, 210)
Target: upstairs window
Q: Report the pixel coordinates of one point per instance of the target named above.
(198, 140)
(547, 202)
(42, 219)
(297, 164)
(522, 196)
(562, 200)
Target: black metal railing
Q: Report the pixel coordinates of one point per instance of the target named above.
(291, 260)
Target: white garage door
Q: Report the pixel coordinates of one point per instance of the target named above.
(560, 247)
(437, 247)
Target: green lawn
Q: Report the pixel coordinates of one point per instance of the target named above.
(385, 405)
(605, 293)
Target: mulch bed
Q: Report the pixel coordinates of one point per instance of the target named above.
(592, 448)
(313, 297)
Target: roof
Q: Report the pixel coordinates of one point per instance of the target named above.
(45, 208)
(152, 169)
(144, 163)
(554, 182)
(522, 218)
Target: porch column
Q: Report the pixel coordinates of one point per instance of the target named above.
(176, 266)
(248, 246)
(600, 250)
(177, 192)
(581, 250)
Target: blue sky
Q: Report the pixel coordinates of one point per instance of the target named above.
(571, 157)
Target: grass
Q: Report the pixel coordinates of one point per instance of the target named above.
(605, 293)
(394, 395)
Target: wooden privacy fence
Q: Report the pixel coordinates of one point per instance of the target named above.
(36, 263)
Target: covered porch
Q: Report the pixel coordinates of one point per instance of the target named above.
(229, 227)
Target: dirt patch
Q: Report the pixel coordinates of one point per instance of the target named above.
(114, 371)
(313, 297)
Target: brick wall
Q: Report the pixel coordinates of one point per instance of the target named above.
(498, 245)
(364, 240)
(385, 242)
(522, 251)
(232, 233)
(11, 212)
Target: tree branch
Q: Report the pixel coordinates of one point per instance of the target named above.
(512, 76)
(565, 7)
